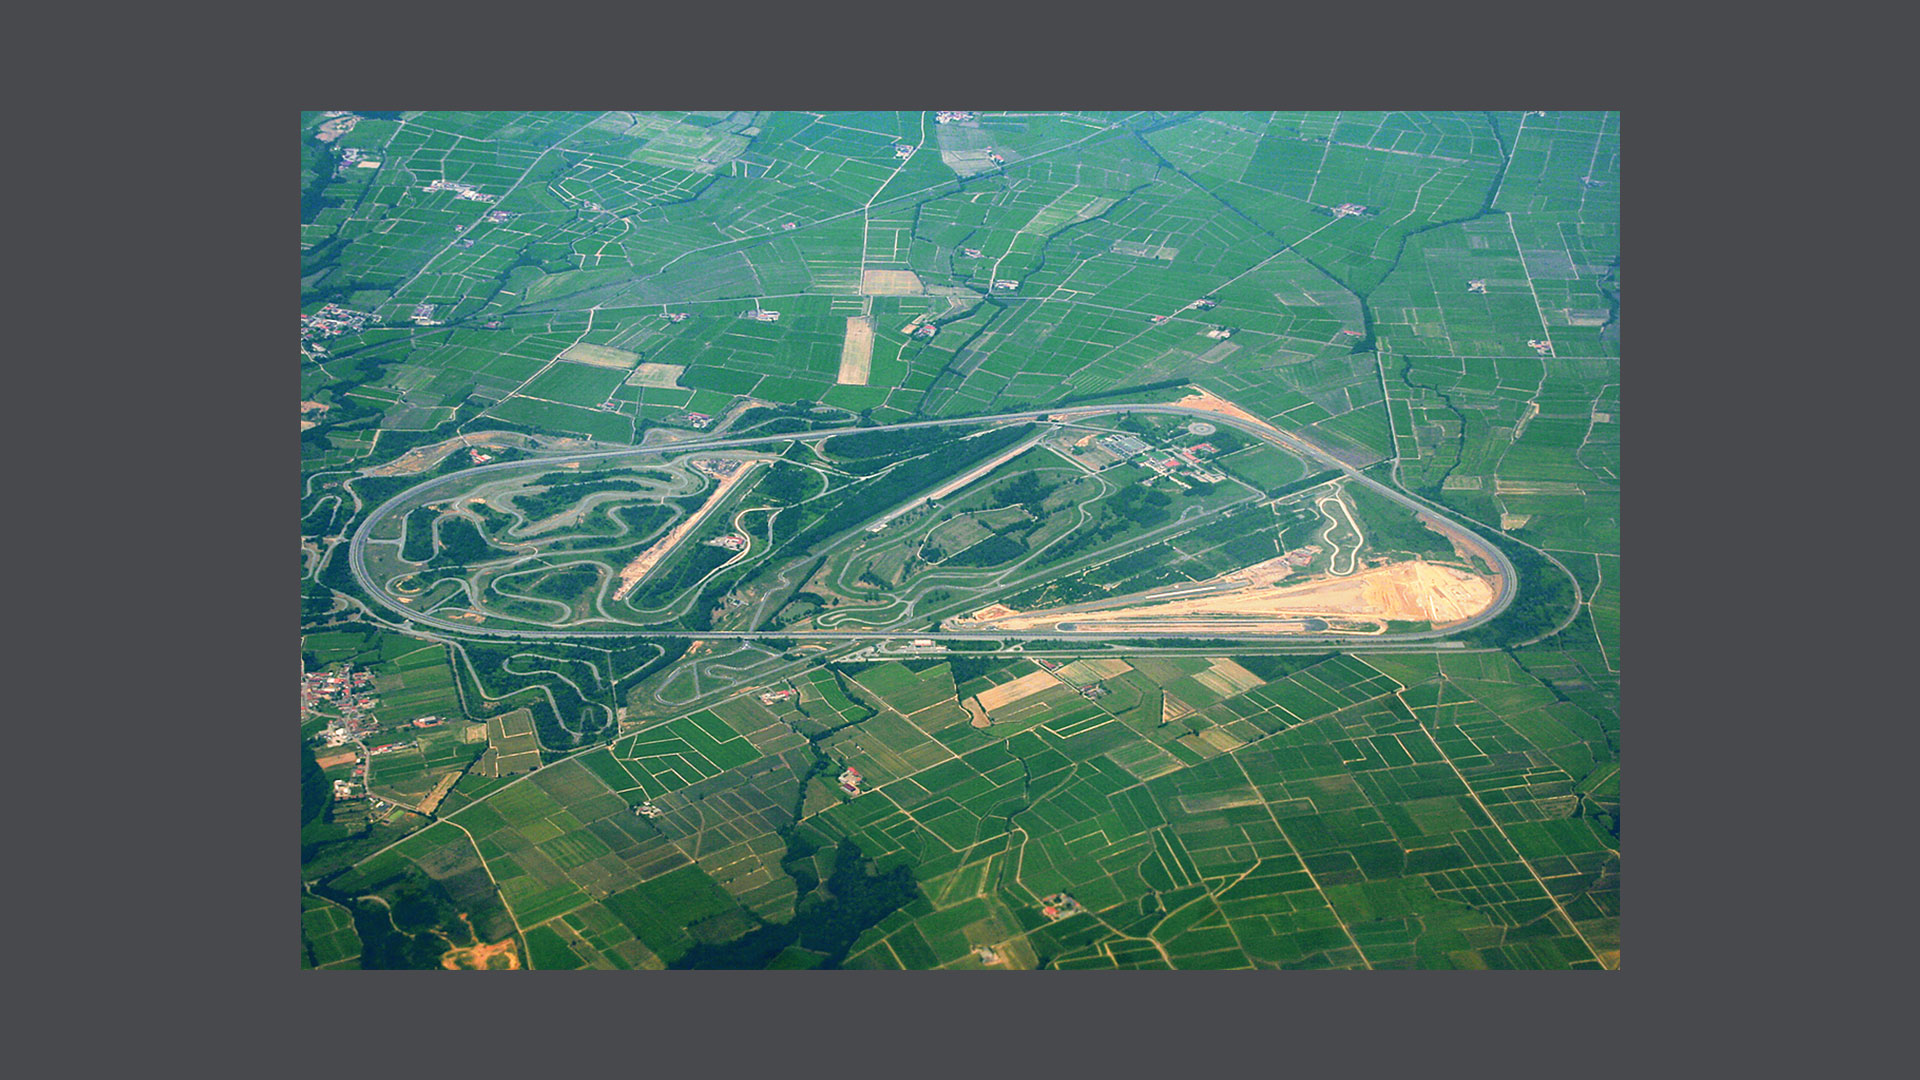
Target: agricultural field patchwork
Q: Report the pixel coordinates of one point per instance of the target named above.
(960, 540)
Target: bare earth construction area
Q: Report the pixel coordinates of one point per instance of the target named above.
(1251, 600)
(856, 353)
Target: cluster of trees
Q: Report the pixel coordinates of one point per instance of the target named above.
(1139, 505)
(497, 522)
(788, 483)
(871, 451)
(693, 563)
(672, 649)
(566, 489)
(972, 667)
(856, 899)
(593, 530)
(316, 793)
(419, 529)
(411, 930)
(781, 419)
(1025, 491)
(1124, 391)
(992, 551)
(1226, 440)
(1251, 544)
(461, 545)
(857, 502)
(488, 660)
(565, 585)
(1541, 602)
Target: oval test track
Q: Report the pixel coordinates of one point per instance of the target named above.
(1294, 444)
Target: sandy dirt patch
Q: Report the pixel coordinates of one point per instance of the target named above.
(1225, 800)
(1069, 209)
(633, 572)
(656, 375)
(1519, 429)
(1219, 352)
(890, 283)
(1221, 740)
(347, 758)
(1228, 678)
(482, 957)
(1214, 403)
(600, 356)
(856, 352)
(1502, 486)
(977, 714)
(431, 801)
(1023, 687)
(421, 458)
(1411, 591)
(1094, 670)
(336, 127)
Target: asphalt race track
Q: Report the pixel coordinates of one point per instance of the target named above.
(1294, 444)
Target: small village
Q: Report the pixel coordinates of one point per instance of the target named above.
(347, 696)
(347, 699)
(460, 191)
(332, 321)
(352, 158)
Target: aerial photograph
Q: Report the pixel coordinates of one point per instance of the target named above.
(960, 539)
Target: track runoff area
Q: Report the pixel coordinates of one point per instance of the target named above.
(1290, 442)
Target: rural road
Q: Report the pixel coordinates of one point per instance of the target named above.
(1292, 443)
